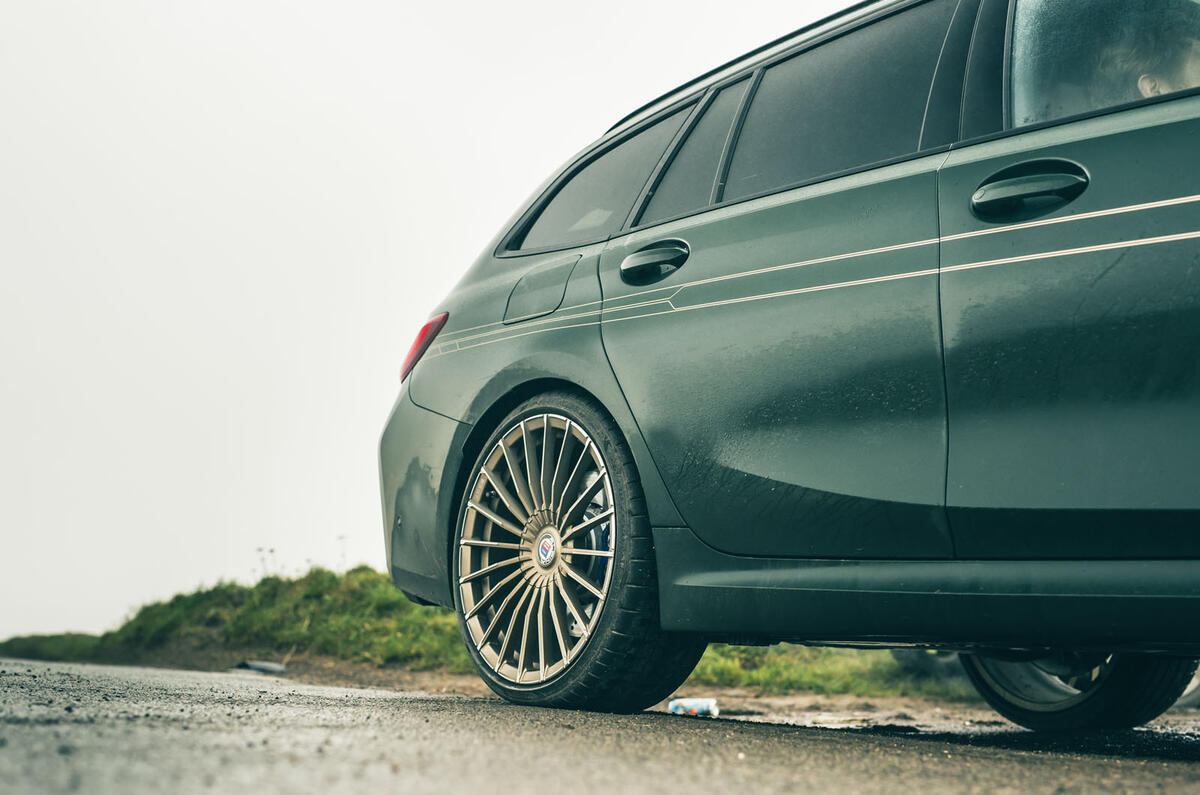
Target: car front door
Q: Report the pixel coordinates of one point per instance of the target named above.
(1070, 290)
(780, 349)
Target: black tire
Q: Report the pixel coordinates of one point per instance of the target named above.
(627, 662)
(1133, 689)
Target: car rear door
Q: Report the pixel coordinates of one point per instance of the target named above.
(1070, 289)
(772, 318)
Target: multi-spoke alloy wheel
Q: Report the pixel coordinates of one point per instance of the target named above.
(535, 548)
(1068, 691)
(554, 566)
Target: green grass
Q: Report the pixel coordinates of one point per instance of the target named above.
(787, 668)
(359, 615)
(71, 647)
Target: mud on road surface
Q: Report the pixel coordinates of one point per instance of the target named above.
(67, 728)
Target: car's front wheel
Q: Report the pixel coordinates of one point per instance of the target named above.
(1070, 692)
(556, 592)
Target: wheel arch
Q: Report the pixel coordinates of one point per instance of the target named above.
(480, 431)
(492, 406)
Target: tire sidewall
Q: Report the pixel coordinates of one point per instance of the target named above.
(1116, 702)
(1076, 715)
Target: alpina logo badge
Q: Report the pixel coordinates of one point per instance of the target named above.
(545, 550)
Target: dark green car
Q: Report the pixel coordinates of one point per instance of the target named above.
(884, 334)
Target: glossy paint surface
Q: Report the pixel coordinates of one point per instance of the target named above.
(479, 364)
(789, 388)
(1146, 605)
(862, 413)
(1073, 346)
(416, 453)
(540, 289)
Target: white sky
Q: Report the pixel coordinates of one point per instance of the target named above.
(221, 224)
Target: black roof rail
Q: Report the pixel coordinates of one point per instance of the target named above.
(745, 56)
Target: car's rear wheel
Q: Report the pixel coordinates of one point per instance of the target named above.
(1080, 692)
(554, 564)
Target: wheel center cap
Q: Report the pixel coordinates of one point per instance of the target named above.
(546, 550)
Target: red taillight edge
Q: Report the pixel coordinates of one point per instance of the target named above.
(424, 340)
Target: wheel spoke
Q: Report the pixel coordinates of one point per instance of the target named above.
(594, 553)
(585, 497)
(486, 570)
(547, 472)
(512, 622)
(518, 479)
(569, 601)
(506, 497)
(579, 578)
(479, 542)
(525, 637)
(496, 518)
(535, 488)
(587, 524)
(552, 500)
(574, 476)
(488, 597)
(558, 633)
(521, 587)
(541, 630)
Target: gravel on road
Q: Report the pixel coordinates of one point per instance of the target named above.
(97, 729)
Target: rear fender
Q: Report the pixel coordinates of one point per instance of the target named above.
(543, 371)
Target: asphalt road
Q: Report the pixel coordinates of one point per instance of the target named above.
(94, 729)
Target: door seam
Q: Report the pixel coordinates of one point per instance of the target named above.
(937, 196)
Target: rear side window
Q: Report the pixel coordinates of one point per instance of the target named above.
(852, 101)
(688, 182)
(596, 200)
(1078, 56)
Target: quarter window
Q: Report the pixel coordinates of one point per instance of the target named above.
(1079, 56)
(688, 182)
(855, 100)
(597, 199)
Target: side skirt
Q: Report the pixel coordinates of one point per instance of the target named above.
(1110, 605)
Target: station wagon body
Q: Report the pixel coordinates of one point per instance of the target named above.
(892, 329)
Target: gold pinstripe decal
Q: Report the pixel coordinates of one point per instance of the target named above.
(500, 327)
(837, 285)
(664, 305)
(1145, 241)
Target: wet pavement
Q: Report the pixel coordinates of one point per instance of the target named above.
(95, 729)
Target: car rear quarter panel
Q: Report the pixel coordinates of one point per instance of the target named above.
(417, 451)
(478, 361)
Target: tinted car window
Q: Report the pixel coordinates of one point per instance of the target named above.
(855, 100)
(688, 181)
(1078, 56)
(597, 199)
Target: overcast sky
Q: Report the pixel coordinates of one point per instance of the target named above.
(221, 224)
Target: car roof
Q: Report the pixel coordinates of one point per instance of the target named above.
(822, 26)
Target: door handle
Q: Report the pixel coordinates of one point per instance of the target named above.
(1028, 190)
(654, 262)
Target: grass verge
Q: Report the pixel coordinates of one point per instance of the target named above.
(360, 616)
